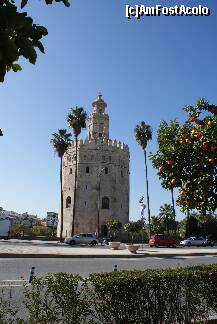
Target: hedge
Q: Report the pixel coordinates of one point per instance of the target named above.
(182, 295)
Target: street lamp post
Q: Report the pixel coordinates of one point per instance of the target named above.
(98, 203)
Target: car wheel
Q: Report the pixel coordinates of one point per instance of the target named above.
(93, 243)
(72, 242)
(188, 244)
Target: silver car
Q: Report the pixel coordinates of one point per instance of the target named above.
(83, 238)
(195, 241)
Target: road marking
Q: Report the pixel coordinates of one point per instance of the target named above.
(4, 286)
(12, 280)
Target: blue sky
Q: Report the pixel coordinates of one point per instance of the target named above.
(146, 69)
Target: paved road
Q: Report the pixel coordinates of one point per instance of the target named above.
(14, 269)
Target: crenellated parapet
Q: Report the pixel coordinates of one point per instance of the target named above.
(104, 143)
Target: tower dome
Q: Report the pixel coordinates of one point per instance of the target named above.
(99, 105)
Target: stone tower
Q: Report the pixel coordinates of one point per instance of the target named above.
(103, 178)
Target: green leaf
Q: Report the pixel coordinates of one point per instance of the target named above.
(23, 3)
(39, 45)
(16, 67)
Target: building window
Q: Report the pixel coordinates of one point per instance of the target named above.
(121, 205)
(87, 169)
(106, 170)
(86, 186)
(122, 174)
(103, 157)
(92, 157)
(68, 202)
(85, 157)
(85, 203)
(105, 203)
(110, 158)
(70, 171)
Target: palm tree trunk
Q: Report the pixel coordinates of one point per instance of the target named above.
(61, 200)
(147, 194)
(75, 184)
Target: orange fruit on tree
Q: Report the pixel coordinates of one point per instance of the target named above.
(211, 160)
(205, 147)
(213, 148)
(161, 168)
(173, 181)
(210, 122)
(170, 162)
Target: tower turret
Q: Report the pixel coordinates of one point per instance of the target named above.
(98, 121)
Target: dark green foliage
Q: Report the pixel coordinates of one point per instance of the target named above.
(143, 134)
(133, 228)
(114, 226)
(56, 298)
(171, 296)
(77, 120)
(155, 296)
(19, 36)
(61, 141)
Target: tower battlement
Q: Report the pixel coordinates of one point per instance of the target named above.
(103, 142)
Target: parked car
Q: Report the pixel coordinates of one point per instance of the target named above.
(196, 241)
(161, 240)
(83, 238)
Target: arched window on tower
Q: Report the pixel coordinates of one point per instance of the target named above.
(68, 202)
(105, 203)
(87, 169)
(106, 170)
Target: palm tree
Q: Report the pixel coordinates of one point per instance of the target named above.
(167, 217)
(143, 134)
(60, 142)
(76, 120)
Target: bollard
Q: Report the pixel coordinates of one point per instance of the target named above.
(31, 275)
(115, 268)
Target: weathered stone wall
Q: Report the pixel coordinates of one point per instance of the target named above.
(94, 156)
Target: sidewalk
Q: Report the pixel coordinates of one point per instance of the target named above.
(42, 249)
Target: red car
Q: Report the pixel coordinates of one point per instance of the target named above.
(161, 240)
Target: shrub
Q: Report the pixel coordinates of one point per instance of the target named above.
(133, 228)
(57, 298)
(114, 226)
(182, 295)
(155, 296)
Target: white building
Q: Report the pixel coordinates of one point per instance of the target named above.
(16, 218)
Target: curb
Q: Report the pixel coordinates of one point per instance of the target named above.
(87, 256)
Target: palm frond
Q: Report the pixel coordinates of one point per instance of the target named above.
(143, 134)
(61, 141)
(76, 119)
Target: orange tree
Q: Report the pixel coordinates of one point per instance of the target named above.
(187, 157)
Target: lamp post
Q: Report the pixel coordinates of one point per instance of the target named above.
(98, 202)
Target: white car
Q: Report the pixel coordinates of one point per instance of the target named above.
(83, 238)
(196, 241)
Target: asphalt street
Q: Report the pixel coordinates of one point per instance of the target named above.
(13, 269)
